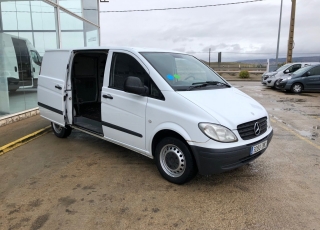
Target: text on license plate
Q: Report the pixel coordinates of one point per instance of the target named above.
(258, 147)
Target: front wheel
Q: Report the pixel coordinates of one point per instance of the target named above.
(296, 88)
(174, 161)
(61, 132)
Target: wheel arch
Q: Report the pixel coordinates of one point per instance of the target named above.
(166, 130)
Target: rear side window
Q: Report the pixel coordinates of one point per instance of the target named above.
(315, 71)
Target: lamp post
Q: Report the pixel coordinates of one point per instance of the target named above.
(279, 34)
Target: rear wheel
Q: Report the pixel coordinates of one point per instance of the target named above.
(174, 160)
(61, 132)
(296, 88)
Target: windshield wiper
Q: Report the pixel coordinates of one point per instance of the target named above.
(206, 83)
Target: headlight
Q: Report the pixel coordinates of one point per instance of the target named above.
(272, 75)
(268, 122)
(217, 132)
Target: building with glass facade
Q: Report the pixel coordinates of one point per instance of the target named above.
(27, 29)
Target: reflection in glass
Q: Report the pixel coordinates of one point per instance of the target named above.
(44, 41)
(90, 11)
(23, 15)
(9, 16)
(72, 39)
(72, 5)
(43, 16)
(68, 22)
(28, 29)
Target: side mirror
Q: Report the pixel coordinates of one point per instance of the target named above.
(135, 86)
(308, 73)
(286, 71)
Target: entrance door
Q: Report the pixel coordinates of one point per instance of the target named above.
(123, 114)
(24, 63)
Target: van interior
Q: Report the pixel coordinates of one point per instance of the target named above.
(87, 81)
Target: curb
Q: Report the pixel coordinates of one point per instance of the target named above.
(15, 144)
(9, 119)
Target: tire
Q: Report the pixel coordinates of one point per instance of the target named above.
(296, 88)
(61, 132)
(175, 161)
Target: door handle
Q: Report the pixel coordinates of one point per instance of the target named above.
(15, 69)
(108, 96)
(58, 87)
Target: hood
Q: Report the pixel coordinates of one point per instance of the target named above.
(229, 106)
(270, 73)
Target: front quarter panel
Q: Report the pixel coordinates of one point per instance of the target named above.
(176, 114)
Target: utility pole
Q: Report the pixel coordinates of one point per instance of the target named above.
(291, 32)
(279, 34)
(209, 55)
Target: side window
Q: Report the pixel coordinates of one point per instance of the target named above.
(315, 71)
(123, 66)
(155, 91)
(294, 68)
(35, 57)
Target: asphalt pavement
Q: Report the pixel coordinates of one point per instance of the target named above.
(83, 182)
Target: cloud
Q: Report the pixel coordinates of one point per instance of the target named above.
(247, 28)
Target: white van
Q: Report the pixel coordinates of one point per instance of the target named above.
(19, 62)
(166, 105)
(270, 79)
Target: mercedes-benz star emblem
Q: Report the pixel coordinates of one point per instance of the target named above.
(256, 129)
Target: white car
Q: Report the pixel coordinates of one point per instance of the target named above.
(269, 79)
(165, 105)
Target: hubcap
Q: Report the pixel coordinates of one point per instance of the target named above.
(297, 88)
(57, 128)
(172, 160)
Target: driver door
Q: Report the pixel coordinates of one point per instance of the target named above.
(123, 114)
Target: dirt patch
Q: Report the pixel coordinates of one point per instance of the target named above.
(67, 201)
(39, 222)
(291, 100)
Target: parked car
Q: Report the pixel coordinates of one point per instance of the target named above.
(270, 79)
(165, 105)
(304, 79)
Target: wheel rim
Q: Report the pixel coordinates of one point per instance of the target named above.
(57, 128)
(172, 160)
(297, 88)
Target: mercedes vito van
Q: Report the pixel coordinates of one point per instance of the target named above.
(165, 105)
(19, 62)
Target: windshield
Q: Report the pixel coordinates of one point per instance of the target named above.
(36, 57)
(283, 67)
(302, 70)
(183, 71)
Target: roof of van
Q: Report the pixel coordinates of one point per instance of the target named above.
(131, 49)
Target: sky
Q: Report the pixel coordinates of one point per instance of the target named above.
(243, 31)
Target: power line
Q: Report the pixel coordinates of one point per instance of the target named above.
(181, 8)
(144, 10)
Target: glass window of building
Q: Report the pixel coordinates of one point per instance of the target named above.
(27, 29)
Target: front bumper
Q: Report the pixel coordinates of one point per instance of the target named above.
(214, 161)
(281, 84)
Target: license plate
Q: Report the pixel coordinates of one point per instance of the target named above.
(258, 147)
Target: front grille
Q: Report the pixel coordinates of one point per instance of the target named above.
(246, 130)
